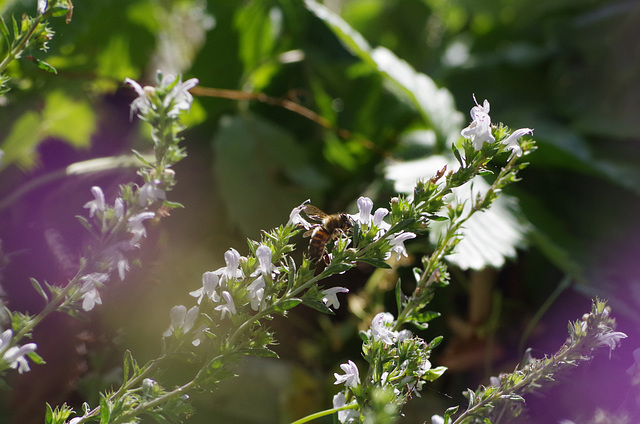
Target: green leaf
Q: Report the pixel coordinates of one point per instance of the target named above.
(36, 285)
(378, 263)
(37, 359)
(260, 352)
(434, 373)
(23, 138)
(258, 163)
(72, 120)
(105, 410)
(318, 306)
(287, 304)
(436, 105)
(48, 415)
(45, 66)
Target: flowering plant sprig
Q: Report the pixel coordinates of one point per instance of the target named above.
(117, 229)
(30, 33)
(502, 401)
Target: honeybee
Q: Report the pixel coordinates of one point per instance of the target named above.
(321, 234)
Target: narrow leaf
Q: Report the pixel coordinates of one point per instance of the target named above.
(36, 285)
(287, 304)
(318, 306)
(46, 67)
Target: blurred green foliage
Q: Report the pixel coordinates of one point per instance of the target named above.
(377, 71)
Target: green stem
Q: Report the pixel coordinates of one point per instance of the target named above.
(324, 413)
(20, 47)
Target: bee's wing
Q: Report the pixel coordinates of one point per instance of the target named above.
(314, 213)
(308, 233)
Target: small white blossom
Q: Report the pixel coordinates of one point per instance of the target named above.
(365, 205)
(351, 378)
(181, 319)
(296, 219)
(142, 103)
(151, 192)
(397, 244)
(210, 280)
(136, 225)
(179, 97)
(118, 208)
(42, 6)
(265, 267)
(229, 307)
(330, 297)
(89, 289)
(347, 416)
(98, 204)
(256, 292)
(610, 339)
(232, 259)
(15, 356)
(437, 419)
(512, 141)
(479, 131)
(381, 328)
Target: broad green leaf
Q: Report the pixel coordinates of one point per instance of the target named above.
(23, 138)
(114, 60)
(318, 306)
(69, 119)
(262, 172)
(436, 105)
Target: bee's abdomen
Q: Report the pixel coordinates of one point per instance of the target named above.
(319, 239)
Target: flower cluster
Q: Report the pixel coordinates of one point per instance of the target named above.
(479, 131)
(398, 364)
(14, 356)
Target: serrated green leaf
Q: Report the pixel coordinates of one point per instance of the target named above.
(259, 160)
(436, 105)
(36, 285)
(69, 119)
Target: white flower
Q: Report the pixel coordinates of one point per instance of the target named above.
(610, 339)
(365, 205)
(210, 281)
(437, 419)
(296, 219)
(378, 218)
(151, 192)
(348, 415)
(91, 284)
(98, 204)
(330, 297)
(265, 267)
(42, 6)
(229, 307)
(381, 328)
(397, 244)
(479, 131)
(136, 226)
(351, 378)
(181, 319)
(142, 103)
(118, 208)
(512, 141)
(256, 292)
(15, 356)
(232, 259)
(179, 97)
